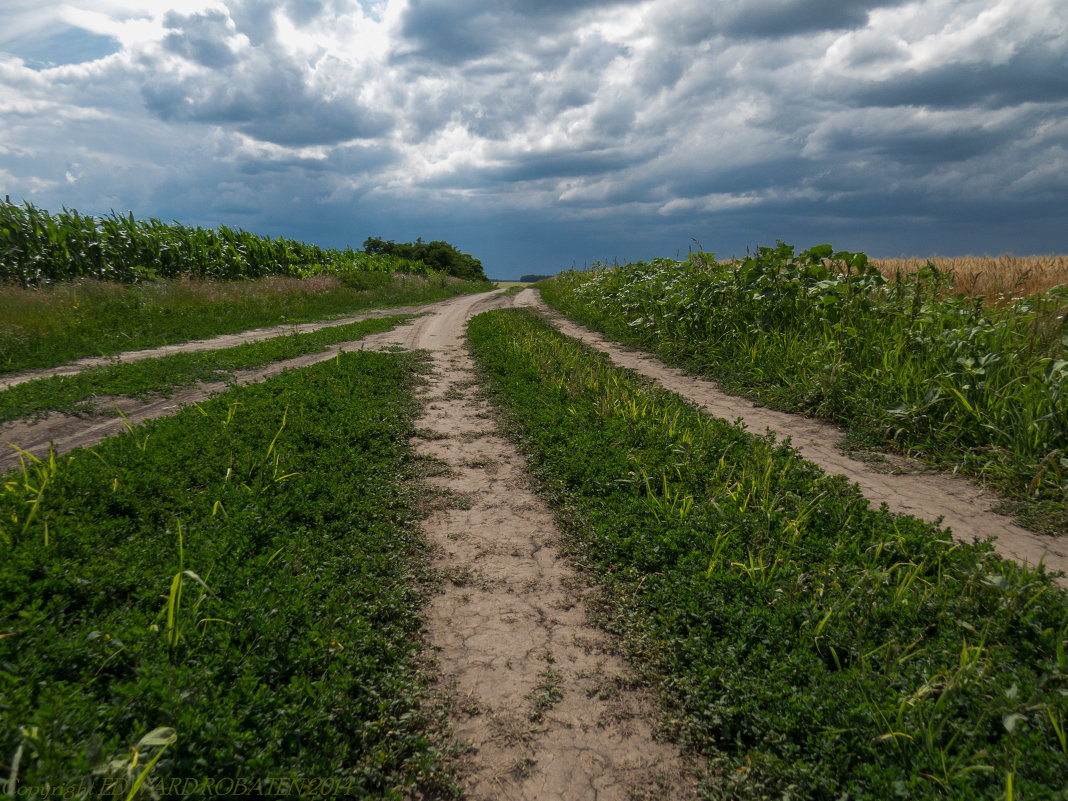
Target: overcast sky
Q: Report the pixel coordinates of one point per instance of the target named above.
(535, 134)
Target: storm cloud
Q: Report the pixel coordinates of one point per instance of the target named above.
(540, 133)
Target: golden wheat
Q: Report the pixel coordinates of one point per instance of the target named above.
(995, 277)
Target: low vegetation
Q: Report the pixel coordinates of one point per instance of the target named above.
(231, 594)
(976, 384)
(80, 394)
(51, 325)
(808, 645)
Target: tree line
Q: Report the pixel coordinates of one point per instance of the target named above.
(437, 255)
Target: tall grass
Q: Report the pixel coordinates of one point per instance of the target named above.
(980, 387)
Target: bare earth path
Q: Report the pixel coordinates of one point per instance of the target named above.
(964, 507)
(543, 703)
(215, 343)
(539, 693)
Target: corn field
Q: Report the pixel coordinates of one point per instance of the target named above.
(40, 248)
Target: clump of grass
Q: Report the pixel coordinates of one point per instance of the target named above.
(807, 644)
(547, 693)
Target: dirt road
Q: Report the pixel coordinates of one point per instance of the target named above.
(541, 696)
(545, 703)
(911, 489)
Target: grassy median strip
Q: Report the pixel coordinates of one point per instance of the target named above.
(162, 375)
(808, 645)
(230, 593)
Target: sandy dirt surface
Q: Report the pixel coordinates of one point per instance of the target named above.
(908, 487)
(542, 701)
(544, 707)
(216, 343)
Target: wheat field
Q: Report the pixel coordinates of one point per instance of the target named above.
(995, 277)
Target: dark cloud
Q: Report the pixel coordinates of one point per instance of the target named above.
(779, 18)
(765, 174)
(563, 164)
(450, 32)
(495, 100)
(274, 106)
(690, 22)
(1034, 74)
(915, 145)
(350, 161)
(453, 32)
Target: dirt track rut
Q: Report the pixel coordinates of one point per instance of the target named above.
(964, 507)
(545, 704)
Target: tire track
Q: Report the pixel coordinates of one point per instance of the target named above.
(966, 509)
(542, 701)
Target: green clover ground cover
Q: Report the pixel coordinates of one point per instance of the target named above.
(978, 384)
(808, 645)
(162, 375)
(235, 588)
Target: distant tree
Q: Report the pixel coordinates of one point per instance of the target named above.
(533, 278)
(439, 255)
